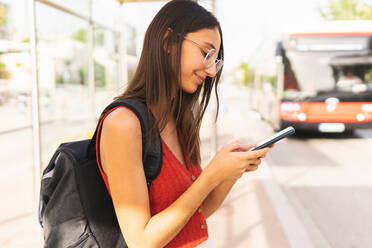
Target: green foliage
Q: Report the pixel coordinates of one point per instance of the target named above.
(100, 75)
(59, 79)
(2, 15)
(99, 37)
(81, 35)
(3, 72)
(82, 74)
(346, 10)
(368, 76)
(247, 75)
(273, 79)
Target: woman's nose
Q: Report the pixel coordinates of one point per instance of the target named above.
(211, 71)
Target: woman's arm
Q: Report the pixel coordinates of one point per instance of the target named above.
(216, 197)
(121, 157)
(218, 194)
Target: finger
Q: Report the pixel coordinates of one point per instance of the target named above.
(234, 146)
(251, 168)
(246, 148)
(264, 152)
(254, 162)
(260, 153)
(251, 155)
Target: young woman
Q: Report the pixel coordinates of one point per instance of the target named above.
(181, 61)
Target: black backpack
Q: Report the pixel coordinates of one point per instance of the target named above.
(75, 207)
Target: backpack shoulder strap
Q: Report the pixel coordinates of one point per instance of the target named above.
(152, 155)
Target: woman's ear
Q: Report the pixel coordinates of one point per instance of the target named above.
(165, 36)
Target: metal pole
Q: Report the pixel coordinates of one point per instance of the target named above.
(214, 130)
(118, 59)
(91, 76)
(35, 103)
(123, 59)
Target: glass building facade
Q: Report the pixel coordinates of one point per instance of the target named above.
(61, 62)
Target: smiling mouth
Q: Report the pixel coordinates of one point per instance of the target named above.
(201, 79)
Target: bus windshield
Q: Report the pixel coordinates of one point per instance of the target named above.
(309, 61)
(311, 70)
(315, 72)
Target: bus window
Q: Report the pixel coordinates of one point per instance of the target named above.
(290, 81)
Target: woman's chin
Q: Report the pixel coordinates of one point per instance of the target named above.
(190, 90)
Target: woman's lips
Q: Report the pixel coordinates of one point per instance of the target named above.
(201, 79)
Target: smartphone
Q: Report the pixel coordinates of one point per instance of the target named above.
(276, 137)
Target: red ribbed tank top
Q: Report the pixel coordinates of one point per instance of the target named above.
(173, 180)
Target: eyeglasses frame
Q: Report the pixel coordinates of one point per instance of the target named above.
(207, 51)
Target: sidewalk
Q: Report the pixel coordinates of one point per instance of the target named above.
(247, 218)
(21, 232)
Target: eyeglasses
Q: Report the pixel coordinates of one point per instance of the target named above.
(210, 57)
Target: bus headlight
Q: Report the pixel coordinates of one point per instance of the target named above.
(361, 117)
(301, 116)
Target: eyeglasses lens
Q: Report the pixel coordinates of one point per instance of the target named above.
(211, 59)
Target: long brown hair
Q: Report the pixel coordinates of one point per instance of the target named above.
(157, 80)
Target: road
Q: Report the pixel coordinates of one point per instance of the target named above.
(328, 180)
(325, 179)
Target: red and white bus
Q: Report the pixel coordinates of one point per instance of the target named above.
(319, 79)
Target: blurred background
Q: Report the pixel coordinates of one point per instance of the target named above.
(305, 63)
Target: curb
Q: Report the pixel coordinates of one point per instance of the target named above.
(292, 226)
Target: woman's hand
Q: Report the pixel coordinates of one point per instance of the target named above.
(254, 165)
(233, 160)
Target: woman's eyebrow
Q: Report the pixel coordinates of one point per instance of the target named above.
(209, 44)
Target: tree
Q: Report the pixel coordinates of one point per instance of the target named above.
(346, 10)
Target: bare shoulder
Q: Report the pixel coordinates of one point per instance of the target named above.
(121, 128)
(122, 121)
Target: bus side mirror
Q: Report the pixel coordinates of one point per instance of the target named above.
(279, 51)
